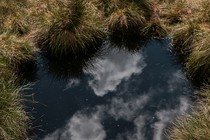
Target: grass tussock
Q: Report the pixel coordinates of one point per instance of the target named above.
(126, 22)
(73, 27)
(14, 50)
(189, 21)
(13, 17)
(185, 35)
(174, 12)
(196, 125)
(180, 11)
(13, 118)
(204, 11)
(198, 62)
(15, 25)
(135, 18)
(110, 6)
(14, 121)
(155, 29)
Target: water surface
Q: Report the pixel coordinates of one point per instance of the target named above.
(115, 95)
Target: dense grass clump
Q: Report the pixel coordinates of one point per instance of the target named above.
(198, 62)
(174, 12)
(196, 125)
(13, 119)
(110, 6)
(74, 27)
(16, 25)
(185, 35)
(12, 17)
(128, 19)
(14, 50)
(155, 29)
(126, 22)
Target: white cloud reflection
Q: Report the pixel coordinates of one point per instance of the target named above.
(89, 126)
(166, 116)
(138, 133)
(127, 109)
(80, 127)
(113, 69)
(177, 79)
(72, 83)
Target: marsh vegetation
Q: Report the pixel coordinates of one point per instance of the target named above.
(77, 27)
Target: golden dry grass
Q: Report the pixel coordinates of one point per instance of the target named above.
(196, 125)
(13, 118)
(74, 30)
(189, 21)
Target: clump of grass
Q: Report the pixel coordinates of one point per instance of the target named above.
(147, 6)
(185, 35)
(15, 25)
(110, 6)
(14, 50)
(13, 119)
(198, 62)
(174, 12)
(74, 27)
(12, 17)
(125, 22)
(196, 125)
(155, 29)
(205, 11)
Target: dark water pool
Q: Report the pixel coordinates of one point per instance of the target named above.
(118, 95)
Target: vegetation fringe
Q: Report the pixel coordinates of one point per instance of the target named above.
(74, 28)
(194, 126)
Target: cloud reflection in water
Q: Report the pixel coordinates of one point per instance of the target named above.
(149, 110)
(80, 127)
(115, 68)
(88, 126)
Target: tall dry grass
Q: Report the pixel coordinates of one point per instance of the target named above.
(73, 27)
(195, 125)
(13, 119)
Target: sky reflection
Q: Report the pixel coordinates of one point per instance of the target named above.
(113, 68)
(128, 96)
